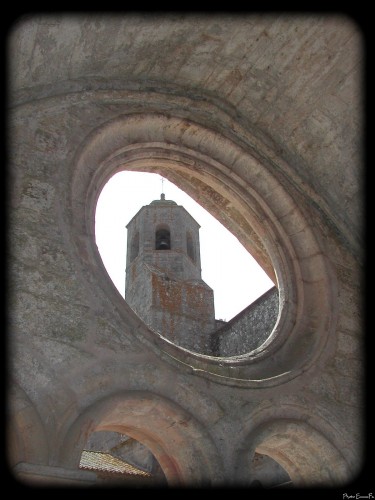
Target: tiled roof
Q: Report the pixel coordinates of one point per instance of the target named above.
(100, 461)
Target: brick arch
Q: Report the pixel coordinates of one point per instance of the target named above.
(308, 456)
(241, 191)
(182, 447)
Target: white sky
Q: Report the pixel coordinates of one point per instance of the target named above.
(235, 277)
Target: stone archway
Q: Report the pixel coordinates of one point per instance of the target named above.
(308, 456)
(179, 443)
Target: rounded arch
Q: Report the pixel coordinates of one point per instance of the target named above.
(309, 457)
(179, 443)
(243, 193)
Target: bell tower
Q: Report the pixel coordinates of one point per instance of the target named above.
(163, 275)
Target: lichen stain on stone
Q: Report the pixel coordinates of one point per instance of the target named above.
(170, 293)
(170, 297)
(195, 299)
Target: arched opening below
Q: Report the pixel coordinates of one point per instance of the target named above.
(117, 457)
(178, 442)
(303, 452)
(268, 473)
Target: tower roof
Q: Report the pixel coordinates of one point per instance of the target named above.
(163, 201)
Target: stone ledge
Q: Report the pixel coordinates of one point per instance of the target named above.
(46, 475)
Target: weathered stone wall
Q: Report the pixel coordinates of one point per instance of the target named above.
(249, 329)
(181, 311)
(258, 118)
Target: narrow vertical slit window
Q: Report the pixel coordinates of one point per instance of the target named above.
(190, 246)
(134, 249)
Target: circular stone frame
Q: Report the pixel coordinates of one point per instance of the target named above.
(236, 182)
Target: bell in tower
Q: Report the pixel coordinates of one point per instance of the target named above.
(162, 240)
(163, 276)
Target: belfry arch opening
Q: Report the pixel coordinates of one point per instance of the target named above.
(236, 279)
(163, 238)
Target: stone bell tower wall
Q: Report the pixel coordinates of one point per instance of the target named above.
(164, 286)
